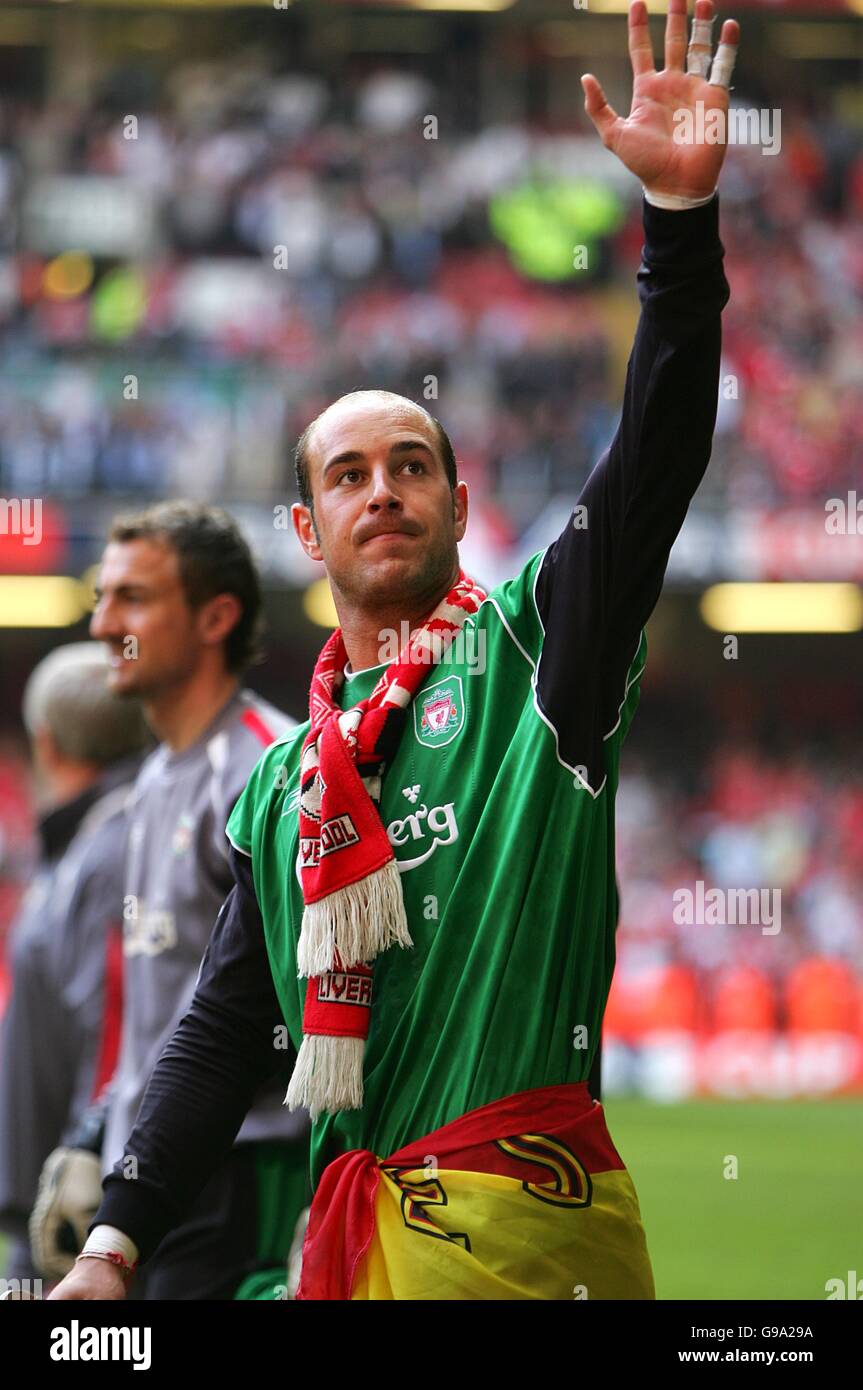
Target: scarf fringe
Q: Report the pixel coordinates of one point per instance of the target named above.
(355, 924)
(328, 1075)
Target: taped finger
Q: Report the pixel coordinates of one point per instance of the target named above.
(700, 50)
(723, 65)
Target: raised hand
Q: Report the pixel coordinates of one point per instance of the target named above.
(665, 102)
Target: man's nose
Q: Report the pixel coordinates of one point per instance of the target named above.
(102, 625)
(383, 493)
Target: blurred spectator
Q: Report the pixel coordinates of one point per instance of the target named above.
(285, 223)
(60, 1030)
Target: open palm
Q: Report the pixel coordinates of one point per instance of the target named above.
(664, 103)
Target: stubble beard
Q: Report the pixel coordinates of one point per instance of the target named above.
(155, 684)
(403, 588)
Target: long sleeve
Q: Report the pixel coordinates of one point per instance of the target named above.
(36, 1065)
(225, 1046)
(599, 582)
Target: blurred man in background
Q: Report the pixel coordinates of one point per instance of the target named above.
(178, 607)
(58, 1043)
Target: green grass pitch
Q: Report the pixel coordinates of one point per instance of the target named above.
(791, 1220)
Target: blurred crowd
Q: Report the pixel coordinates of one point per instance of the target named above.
(183, 287)
(790, 827)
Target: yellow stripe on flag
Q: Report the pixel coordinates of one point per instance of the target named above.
(474, 1236)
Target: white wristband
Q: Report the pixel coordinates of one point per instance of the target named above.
(675, 202)
(107, 1240)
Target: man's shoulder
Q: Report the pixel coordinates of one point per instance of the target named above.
(103, 829)
(276, 769)
(264, 721)
(283, 753)
(252, 727)
(237, 750)
(510, 612)
(90, 874)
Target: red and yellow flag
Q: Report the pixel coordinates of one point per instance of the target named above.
(526, 1198)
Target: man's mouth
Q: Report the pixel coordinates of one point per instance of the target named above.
(389, 535)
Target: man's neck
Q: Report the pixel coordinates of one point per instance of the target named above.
(179, 716)
(63, 784)
(68, 782)
(370, 636)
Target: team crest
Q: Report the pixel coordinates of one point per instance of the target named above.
(439, 713)
(183, 834)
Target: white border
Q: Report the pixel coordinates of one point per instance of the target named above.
(459, 730)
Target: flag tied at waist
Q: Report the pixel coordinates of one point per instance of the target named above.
(526, 1197)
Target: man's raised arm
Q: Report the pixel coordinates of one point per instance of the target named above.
(598, 583)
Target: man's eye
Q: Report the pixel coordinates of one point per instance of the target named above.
(351, 473)
(416, 463)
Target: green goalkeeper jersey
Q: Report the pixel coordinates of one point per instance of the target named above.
(506, 855)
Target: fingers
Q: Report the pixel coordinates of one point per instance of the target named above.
(699, 52)
(726, 55)
(640, 47)
(700, 61)
(604, 117)
(675, 35)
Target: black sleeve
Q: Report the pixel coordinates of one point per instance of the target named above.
(206, 1078)
(600, 581)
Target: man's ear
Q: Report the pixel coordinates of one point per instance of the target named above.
(218, 617)
(44, 748)
(461, 507)
(307, 532)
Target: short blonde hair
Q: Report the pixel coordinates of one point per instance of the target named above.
(67, 694)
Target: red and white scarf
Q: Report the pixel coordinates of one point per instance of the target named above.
(354, 906)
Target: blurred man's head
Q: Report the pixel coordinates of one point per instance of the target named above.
(77, 726)
(381, 505)
(177, 590)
